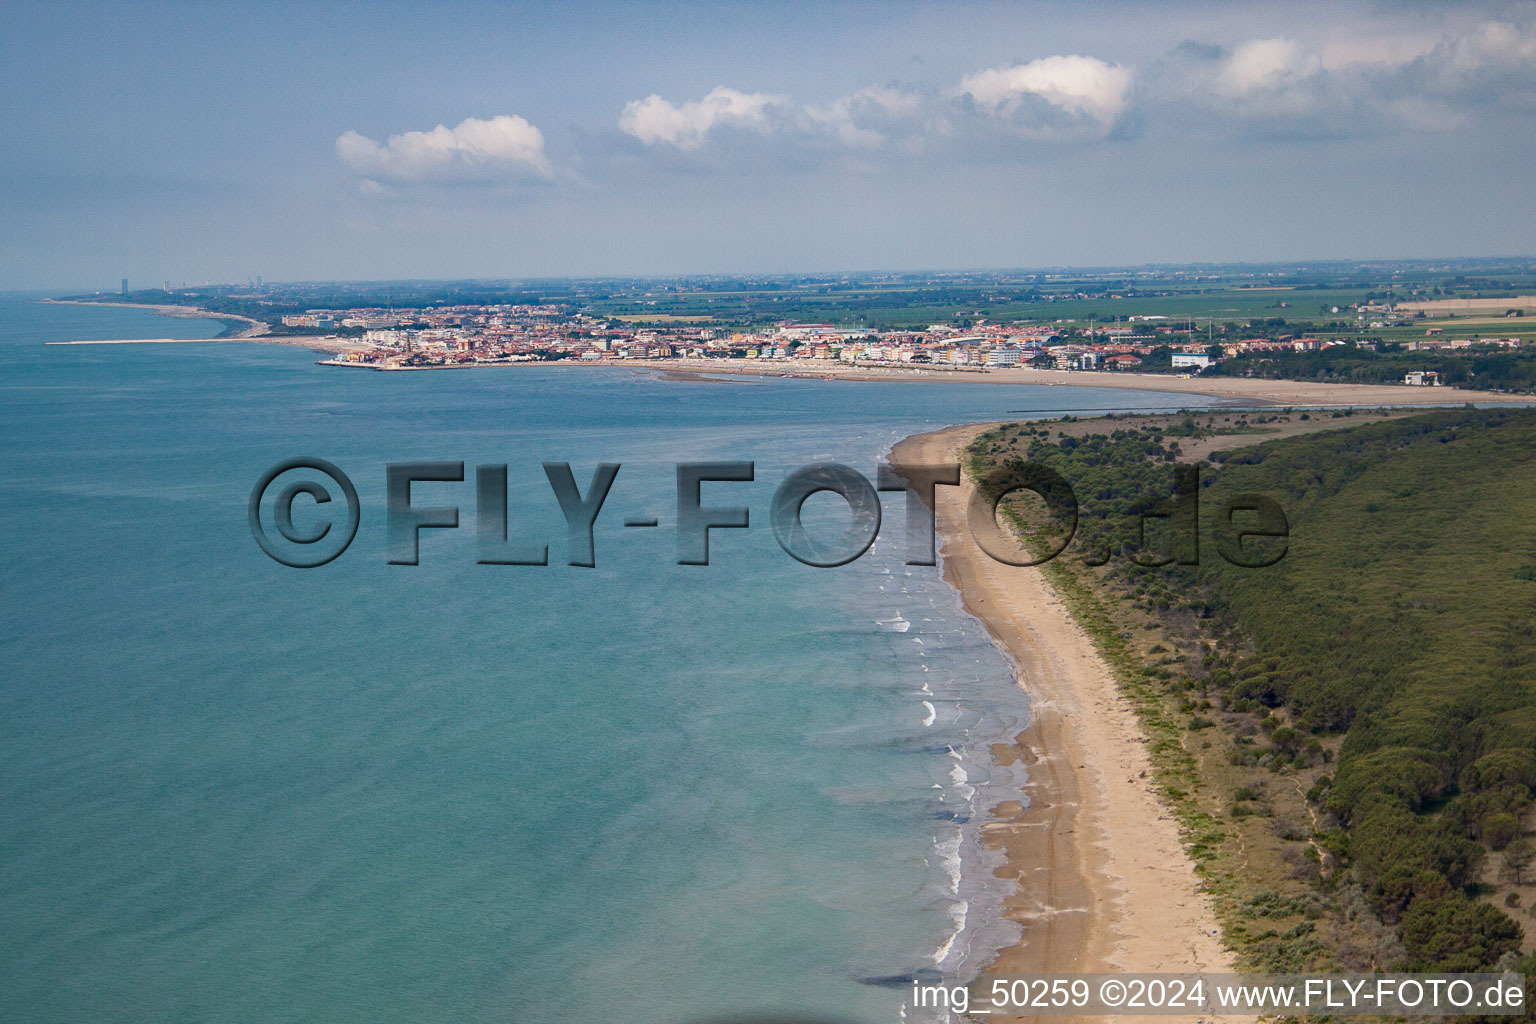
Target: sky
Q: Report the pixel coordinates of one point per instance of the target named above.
(217, 142)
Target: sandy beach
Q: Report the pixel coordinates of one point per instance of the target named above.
(1235, 390)
(1104, 883)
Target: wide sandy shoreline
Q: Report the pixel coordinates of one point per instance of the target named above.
(1234, 390)
(1231, 390)
(1104, 883)
(1243, 391)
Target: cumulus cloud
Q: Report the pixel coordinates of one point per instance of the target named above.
(1051, 98)
(473, 148)
(1265, 64)
(655, 120)
(1321, 82)
(1347, 85)
(863, 119)
(1495, 46)
(1275, 64)
(1084, 87)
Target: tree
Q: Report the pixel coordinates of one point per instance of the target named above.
(1517, 858)
(1451, 933)
(1286, 740)
(1500, 829)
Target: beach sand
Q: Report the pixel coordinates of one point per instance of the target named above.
(1104, 883)
(1234, 390)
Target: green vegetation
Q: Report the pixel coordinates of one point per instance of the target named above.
(1357, 720)
(1230, 293)
(1482, 368)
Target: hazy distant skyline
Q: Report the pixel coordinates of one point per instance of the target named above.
(161, 142)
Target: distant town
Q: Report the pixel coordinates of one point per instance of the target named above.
(488, 335)
(1460, 323)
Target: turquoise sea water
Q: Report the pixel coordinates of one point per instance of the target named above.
(234, 791)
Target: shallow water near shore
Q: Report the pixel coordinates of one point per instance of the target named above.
(234, 791)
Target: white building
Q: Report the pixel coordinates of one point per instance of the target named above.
(386, 339)
(1196, 360)
(1071, 357)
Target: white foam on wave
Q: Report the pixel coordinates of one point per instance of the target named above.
(957, 914)
(960, 779)
(932, 714)
(949, 856)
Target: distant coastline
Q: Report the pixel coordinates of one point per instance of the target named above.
(1245, 390)
(253, 328)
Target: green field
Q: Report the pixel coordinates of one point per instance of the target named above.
(1229, 293)
(918, 306)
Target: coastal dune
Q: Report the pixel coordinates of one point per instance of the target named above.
(1104, 883)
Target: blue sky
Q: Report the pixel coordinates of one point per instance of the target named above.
(219, 142)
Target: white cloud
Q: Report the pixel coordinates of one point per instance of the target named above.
(852, 118)
(1494, 45)
(1265, 65)
(474, 147)
(1276, 64)
(1085, 87)
(1326, 82)
(1353, 84)
(654, 119)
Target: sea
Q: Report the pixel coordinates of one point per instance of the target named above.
(232, 790)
